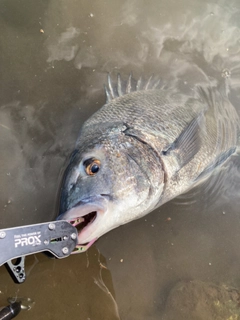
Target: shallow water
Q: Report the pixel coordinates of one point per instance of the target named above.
(54, 60)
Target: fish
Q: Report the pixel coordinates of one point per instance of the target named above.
(145, 146)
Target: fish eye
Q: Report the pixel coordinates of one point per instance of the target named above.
(92, 166)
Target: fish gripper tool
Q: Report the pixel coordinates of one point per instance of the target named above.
(57, 237)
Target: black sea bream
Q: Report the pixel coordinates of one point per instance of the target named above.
(144, 147)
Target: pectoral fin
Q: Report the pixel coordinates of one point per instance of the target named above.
(186, 146)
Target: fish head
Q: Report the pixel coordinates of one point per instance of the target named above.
(112, 178)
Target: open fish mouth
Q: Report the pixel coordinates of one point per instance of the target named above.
(86, 216)
(81, 222)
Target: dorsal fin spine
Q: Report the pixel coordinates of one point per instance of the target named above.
(110, 86)
(108, 97)
(119, 85)
(129, 84)
(121, 88)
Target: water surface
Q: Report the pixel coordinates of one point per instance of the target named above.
(54, 59)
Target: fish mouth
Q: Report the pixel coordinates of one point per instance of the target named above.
(86, 216)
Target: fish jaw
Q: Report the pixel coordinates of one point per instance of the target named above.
(90, 214)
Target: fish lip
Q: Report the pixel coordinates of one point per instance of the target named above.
(85, 207)
(90, 202)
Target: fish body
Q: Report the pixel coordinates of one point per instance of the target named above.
(144, 147)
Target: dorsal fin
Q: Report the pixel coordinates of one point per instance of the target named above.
(122, 87)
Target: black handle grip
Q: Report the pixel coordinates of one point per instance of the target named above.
(11, 311)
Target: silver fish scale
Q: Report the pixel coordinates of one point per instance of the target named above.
(150, 110)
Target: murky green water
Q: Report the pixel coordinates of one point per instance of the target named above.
(54, 58)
